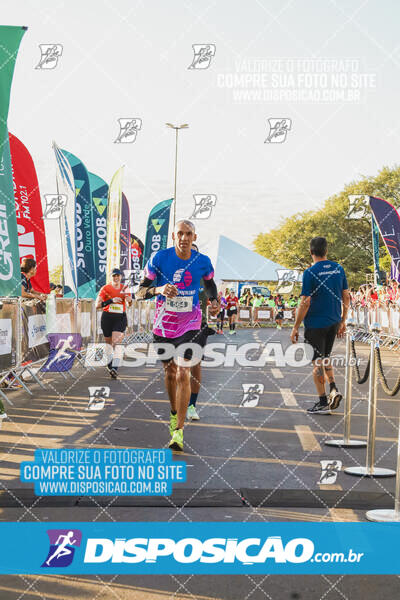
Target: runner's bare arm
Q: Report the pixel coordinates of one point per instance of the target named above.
(345, 310)
(345, 304)
(301, 313)
(32, 294)
(302, 310)
(100, 303)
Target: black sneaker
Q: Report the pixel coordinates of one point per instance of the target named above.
(321, 409)
(334, 399)
(113, 373)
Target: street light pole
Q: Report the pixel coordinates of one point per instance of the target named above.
(176, 127)
(176, 171)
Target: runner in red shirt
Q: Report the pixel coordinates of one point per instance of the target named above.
(232, 302)
(112, 299)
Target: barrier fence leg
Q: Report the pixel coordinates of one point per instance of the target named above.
(346, 442)
(14, 374)
(34, 376)
(2, 394)
(370, 470)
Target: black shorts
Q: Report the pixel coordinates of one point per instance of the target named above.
(231, 311)
(113, 322)
(197, 336)
(279, 315)
(321, 339)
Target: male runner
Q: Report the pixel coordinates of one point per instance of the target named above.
(221, 314)
(112, 299)
(325, 300)
(177, 273)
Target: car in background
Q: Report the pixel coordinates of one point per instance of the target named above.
(254, 289)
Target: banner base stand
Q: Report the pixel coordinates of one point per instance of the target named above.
(382, 515)
(346, 443)
(374, 472)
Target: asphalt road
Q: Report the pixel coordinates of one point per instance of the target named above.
(259, 463)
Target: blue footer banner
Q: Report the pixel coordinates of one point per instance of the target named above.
(199, 548)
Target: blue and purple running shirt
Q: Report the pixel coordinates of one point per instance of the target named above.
(176, 316)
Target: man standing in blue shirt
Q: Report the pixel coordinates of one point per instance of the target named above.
(324, 305)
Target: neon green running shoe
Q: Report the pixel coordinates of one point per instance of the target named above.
(192, 413)
(173, 422)
(176, 442)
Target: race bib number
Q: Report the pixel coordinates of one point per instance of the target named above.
(179, 304)
(116, 308)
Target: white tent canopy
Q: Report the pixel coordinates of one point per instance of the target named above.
(237, 263)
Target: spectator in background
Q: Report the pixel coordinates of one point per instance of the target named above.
(28, 270)
(279, 307)
(221, 314)
(243, 299)
(59, 291)
(257, 301)
(372, 295)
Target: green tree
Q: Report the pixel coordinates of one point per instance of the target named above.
(350, 241)
(56, 275)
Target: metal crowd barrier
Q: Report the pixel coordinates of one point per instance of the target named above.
(249, 316)
(388, 319)
(25, 324)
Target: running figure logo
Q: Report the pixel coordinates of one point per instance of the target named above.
(97, 397)
(251, 394)
(63, 347)
(63, 543)
(130, 280)
(358, 207)
(50, 53)
(286, 280)
(203, 54)
(329, 471)
(54, 205)
(128, 129)
(278, 129)
(98, 354)
(203, 205)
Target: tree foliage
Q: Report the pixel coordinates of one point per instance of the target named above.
(56, 275)
(350, 241)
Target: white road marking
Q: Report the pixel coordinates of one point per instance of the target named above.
(308, 440)
(288, 397)
(277, 373)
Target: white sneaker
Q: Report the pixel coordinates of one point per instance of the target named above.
(3, 416)
(192, 413)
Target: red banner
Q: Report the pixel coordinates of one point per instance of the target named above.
(28, 206)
